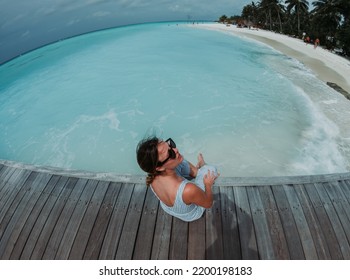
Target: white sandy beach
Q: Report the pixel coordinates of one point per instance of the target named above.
(326, 65)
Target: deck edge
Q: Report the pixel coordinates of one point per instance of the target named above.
(221, 181)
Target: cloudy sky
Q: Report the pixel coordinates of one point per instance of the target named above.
(28, 24)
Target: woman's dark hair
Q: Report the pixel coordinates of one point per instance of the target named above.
(147, 157)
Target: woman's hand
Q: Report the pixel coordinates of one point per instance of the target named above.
(210, 178)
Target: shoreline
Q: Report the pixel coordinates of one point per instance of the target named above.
(327, 66)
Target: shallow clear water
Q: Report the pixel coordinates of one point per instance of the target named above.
(84, 103)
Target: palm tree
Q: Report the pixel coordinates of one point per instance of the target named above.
(249, 12)
(326, 6)
(328, 11)
(299, 6)
(344, 7)
(265, 7)
(223, 18)
(270, 8)
(331, 18)
(326, 20)
(344, 31)
(279, 9)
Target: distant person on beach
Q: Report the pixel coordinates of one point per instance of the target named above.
(317, 42)
(184, 190)
(307, 40)
(303, 38)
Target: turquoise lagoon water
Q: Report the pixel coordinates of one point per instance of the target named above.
(85, 102)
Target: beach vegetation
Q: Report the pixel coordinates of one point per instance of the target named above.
(326, 20)
(300, 9)
(250, 13)
(273, 10)
(229, 20)
(223, 19)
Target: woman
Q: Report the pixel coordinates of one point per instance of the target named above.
(169, 174)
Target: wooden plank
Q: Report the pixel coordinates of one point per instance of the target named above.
(9, 180)
(162, 234)
(346, 183)
(14, 185)
(40, 247)
(14, 197)
(196, 239)
(290, 230)
(12, 201)
(115, 226)
(274, 223)
(262, 231)
(178, 240)
(301, 223)
(247, 234)
(131, 224)
(5, 188)
(214, 243)
(144, 239)
(230, 233)
(60, 226)
(6, 173)
(313, 222)
(75, 220)
(30, 194)
(338, 197)
(345, 188)
(98, 232)
(31, 219)
(336, 215)
(324, 221)
(341, 204)
(83, 234)
(2, 170)
(33, 238)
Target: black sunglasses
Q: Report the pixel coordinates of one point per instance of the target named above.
(172, 153)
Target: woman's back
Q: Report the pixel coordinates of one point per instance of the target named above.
(179, 208)
(166, 189)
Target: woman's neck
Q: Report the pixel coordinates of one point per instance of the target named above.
(169, 172)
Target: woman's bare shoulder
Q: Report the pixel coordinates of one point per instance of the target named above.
(191, 190)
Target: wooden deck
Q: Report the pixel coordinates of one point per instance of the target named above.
(47, 215)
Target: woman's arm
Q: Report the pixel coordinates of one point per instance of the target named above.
(194, 195)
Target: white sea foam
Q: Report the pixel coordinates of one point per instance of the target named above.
(319, 152)
(62, 146)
